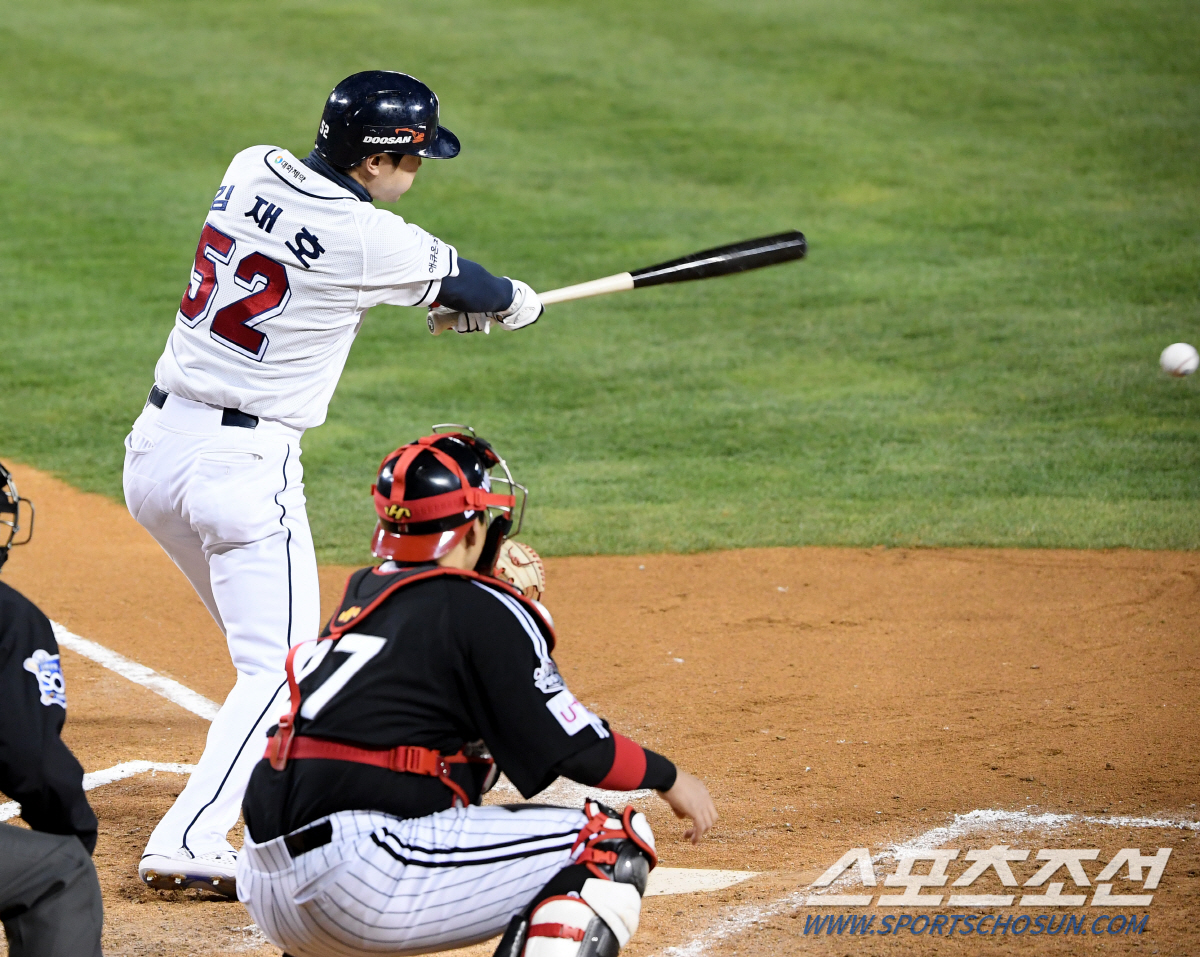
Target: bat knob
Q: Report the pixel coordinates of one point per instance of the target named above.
(439, 319)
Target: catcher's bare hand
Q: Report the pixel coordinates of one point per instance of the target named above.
(689, 798)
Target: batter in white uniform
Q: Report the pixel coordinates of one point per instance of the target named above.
(291, 256)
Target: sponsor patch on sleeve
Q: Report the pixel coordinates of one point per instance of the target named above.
(52, 688)
(546, 677)
(572, 715)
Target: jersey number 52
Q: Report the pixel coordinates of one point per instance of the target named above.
(234, 325)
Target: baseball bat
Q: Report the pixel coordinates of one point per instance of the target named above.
(721, 261)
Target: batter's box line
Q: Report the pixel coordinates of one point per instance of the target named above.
(118, 772)
(663, 880)
(1016, 821)
(750, 916)
(196, 703)
(169, 688)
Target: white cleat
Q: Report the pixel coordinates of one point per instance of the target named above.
(215, 871)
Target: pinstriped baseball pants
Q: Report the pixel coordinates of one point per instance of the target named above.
(383, 885)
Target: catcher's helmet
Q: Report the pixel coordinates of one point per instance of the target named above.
(428, 493)
(10, 514)
(379, 111)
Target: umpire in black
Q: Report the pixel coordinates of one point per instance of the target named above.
(49, 894)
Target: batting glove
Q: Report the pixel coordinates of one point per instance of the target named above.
(441, 318)
(526, 308)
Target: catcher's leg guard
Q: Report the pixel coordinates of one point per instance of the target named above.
(590, 908)
(617, 847)
(568, 927)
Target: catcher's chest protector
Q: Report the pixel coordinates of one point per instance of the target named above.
(366, 591)
(368, 588)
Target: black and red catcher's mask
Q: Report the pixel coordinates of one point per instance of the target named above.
(429, 492)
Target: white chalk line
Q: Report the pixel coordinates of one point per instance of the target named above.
(169, 688)
(254, 938)
(737, 921)
(748, 916)
(669, 880)
(664, 880)
(1016, 821)
(117, 772)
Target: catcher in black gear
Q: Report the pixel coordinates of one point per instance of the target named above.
(364, 827)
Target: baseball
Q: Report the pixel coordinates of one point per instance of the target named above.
(1179, 359)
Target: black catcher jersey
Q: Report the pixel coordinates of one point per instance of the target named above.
(440, 663)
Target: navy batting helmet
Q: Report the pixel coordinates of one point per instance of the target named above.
(379, 111)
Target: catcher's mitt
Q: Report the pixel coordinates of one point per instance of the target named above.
(520, 566)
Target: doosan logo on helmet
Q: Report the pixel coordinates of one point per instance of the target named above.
(382, 111)
(401, 136)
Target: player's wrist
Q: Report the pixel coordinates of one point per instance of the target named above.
(661, 773)
(524, 310)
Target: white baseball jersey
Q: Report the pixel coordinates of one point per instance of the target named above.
(288, 261)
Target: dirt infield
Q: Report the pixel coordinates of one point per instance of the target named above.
(831, 698)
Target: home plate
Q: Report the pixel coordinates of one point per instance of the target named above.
(690, 880)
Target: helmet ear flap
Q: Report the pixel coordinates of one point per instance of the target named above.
(497, 531)
(485, 451)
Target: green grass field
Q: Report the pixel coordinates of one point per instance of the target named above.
(1002, 201)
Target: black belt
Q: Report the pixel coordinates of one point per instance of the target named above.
(233, 417)
(301, 842)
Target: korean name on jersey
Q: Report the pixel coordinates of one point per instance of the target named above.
(288, 261)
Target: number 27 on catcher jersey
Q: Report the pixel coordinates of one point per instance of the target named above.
(359, 649)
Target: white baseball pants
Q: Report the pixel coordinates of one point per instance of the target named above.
(383, 885)
(227, 505)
